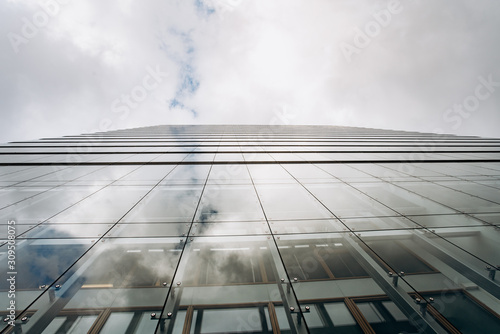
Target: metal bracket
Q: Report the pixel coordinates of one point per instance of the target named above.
(492, 271)
(423, 304)
(395, 277)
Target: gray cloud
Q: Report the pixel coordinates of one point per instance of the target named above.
(88, 67)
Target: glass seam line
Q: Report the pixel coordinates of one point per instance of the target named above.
(183, 246)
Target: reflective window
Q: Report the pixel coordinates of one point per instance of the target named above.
(394, 254)
(128, 277)
(319, 259)
(107, 205)
(166, 204)
(229, 203)
(227, 262)
(385, 317)
(187, 174)
(345, 201)
(292, 201)
(464, 312)
(236, 320)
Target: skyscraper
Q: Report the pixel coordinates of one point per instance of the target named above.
(250, 229)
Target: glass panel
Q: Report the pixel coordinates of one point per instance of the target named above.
(67, 231)
(82, 324)
(187, 174)
(171, 157)
(477, 246)
(230, 278)
(31, 173)
(398, 256)
(309, 173)
(370, 313)
(146, 324)
(10, 196)
(385, 317)
(68, 174)
(465, 313)
(313, 318)
(257, 157)
(345, 201)
(146, 173)
(326, 318)
(149, 230)
(305, 226)
(229, 174)
(107, 205)
(394, 311)
(346, 172)
(401, 200)
(117, 322)
(233, 228)
(236, 320)
(110, 173)
(379, 223)
(166, 204)
(128, 263)
(200, 156)
(339, 314)
(54, 326)
(318, 259)
(19, 230)
(292, 201)
(229, 203)
(124, 274)
(454, 199)
(281, 315)
(45, 205)
(493, 218)
(38, 263)
(70, 324)
(179, 322)
(228, 157)
(229, 262)
(474, 189)
(269, 174)
(445, 221)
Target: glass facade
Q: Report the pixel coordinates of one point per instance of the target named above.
(250, 229)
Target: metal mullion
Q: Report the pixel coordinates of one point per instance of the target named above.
(358, 315)
(100, 321)
(273, 318)
(186, 329)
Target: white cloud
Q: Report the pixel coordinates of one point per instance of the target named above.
(240, 61)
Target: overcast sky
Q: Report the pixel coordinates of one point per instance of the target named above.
(71, 67)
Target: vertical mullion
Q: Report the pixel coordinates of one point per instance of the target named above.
(360, 318)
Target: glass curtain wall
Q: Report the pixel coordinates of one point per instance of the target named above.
(250, 229)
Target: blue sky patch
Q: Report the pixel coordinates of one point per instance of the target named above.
(203, 8)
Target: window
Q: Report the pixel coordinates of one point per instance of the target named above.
(375, 314)
(229, 263)
(457, 309)
(398, 257)
(319, 260)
